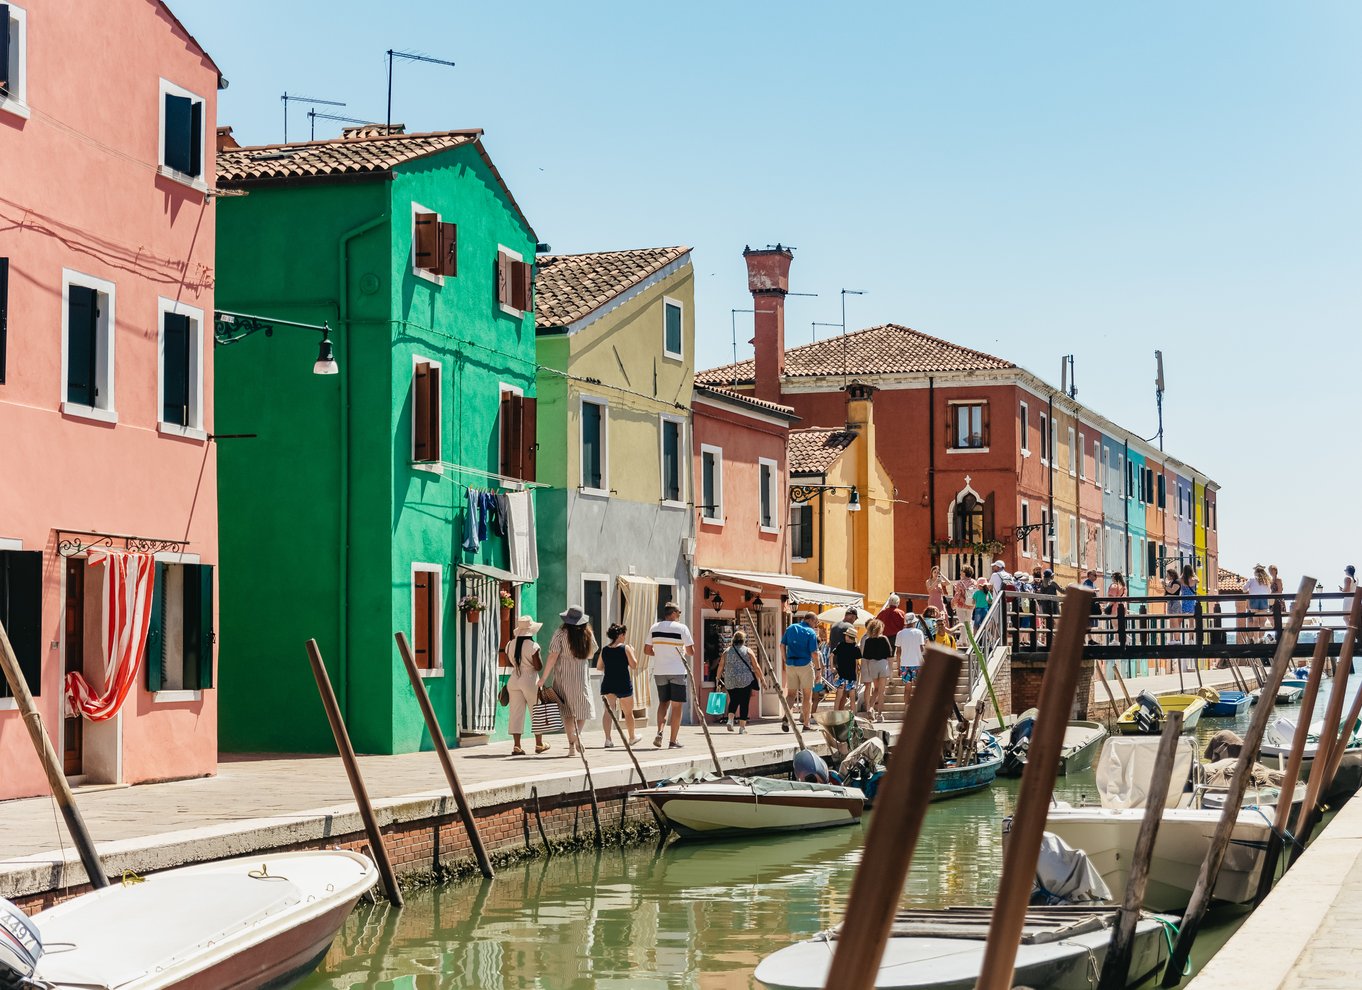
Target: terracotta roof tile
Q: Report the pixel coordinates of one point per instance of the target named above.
(813, 451)
(345, 156)
(1230, 582)
(882, 350)
(568, 287)
(728, 395)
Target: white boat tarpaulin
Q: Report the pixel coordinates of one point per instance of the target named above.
(1126, 767)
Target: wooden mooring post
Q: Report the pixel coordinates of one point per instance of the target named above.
(437, 739)
(1038, 783)
(1220, 839)
(52, 767)
(638, 769)
(1116, 966)
(347, 755)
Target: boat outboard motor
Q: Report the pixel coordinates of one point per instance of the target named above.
(1150, 713)
(809, 766)
(1018, 743)
(21, 946)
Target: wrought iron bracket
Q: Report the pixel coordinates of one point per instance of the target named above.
(803, 493)
(72, 542)
(1022, 532)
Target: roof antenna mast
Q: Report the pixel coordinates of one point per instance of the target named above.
(410, 57)
(845, 293)
(1068, 378)
(1158, 391)
(304, 99)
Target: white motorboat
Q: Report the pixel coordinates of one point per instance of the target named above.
(259, 921)
(1276, 750)
(1108, 836)
(744, 805)
(1061, 948)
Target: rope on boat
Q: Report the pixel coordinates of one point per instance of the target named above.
(1170, 932)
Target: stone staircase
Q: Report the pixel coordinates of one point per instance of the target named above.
(894, 699)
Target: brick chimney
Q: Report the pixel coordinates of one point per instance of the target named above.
(225, 140)
(768, 278)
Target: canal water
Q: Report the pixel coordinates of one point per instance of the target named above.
(687, 915)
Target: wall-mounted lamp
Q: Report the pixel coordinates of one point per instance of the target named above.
(717, 602)
(757, 603)
(855, 504)
(232, 328)
(800, 494)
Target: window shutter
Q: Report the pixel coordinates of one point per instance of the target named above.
(420, 633)
(155, 651)
(448, 253)
(427, 239)
(175, 373)
(4, 47)
(529, 437)
(81, 344)
(436, 414)
(198, 626)
(988, 516)
(983, 429)
(522, 277)
(195, 139)
(4, 290)
(506, 439)
(21, 609)
(178, 126)
(420, 413)
(503, 279)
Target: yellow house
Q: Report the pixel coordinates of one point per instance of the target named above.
(842, 507)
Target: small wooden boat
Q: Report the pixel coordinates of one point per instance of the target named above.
(1288, 694)
(1061, 948)
(749, 805)
(1082, 740)
(1230, 704)
(260, 921)
(1192, 707)
(954, 781)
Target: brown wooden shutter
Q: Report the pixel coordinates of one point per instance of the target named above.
(983, 427)
(503, 279)
(989, 529)
(436, 414)
(427, 242)
(448, 253)
(952, 412)
(529, 437)
(521, 273)
(510, 434)
(420, 413)
(421, 619)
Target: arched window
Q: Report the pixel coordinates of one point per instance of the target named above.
(969, 520)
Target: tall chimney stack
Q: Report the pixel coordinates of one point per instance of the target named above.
(768, 278)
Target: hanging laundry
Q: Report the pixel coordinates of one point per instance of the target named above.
(522, 554)
(486, 502)
(470, 522)
(499, 514)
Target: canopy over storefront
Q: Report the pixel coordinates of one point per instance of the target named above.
(800, 591)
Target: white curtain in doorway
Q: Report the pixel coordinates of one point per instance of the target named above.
(478, 657)
(640, 612)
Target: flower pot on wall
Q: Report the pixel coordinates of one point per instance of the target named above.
(474, 615)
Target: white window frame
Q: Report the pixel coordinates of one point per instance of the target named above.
(773, 490)
(718, 509)
(670, 503)
(1025, 521)
(436, 466)
(431, 277)
(168, 88)
(1024, 429)
(1097, 467)
(680, 354)
(604, 581)
(194, 429)
(437, 649)
(1074, 553)
(1075, 455)
(1082, 457)
(16, 102)
(514, 255)
(582, 488)
(107, 411)
(1046, 454)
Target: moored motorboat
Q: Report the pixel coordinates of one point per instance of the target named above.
(747, 805)
(1061, 947)
(954, 780)
(1276, 750)
(258, 921)
(1082, 740)
(1287, 694)
(1145, 717)
(1229, 704)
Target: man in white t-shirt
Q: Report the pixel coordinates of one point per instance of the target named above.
(908, 646)
(669, 644)
(996, 578)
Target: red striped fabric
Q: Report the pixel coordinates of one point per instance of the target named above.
(128, 581)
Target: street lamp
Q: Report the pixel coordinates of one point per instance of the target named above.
(326, 359)
(232, 328)
(804, 493)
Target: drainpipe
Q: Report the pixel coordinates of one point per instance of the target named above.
(822, 521)
(1125, 506)
(931, 460)
(1051, 440)
(343, 550)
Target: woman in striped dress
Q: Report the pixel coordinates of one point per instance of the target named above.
(571, 652)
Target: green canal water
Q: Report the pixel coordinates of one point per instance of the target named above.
(686, 915)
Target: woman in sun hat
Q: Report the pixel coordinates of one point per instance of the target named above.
(522, 652)
(571, 651)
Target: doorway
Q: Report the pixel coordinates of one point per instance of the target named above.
(73, 660)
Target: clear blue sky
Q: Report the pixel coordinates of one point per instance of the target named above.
(1028, 179)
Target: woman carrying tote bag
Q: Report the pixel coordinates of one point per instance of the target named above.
(740, 674)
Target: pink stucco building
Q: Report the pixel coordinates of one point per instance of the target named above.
(106, 370)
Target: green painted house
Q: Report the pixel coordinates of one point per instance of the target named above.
(373, 499)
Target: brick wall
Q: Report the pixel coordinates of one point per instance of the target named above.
(1025, 681)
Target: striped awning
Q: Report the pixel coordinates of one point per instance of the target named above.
(799, 590)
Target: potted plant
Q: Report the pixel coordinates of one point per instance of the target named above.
(471, 607)
(507, 602)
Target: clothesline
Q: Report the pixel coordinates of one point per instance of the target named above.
(492, 475)
(509, 515)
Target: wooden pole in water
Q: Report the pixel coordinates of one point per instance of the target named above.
(790, 720)
(628, 748)
(704, 722)
(1125, 693)
(1293, 765)
(900, 806)
(1116, 708)
(1229, 817)
(47, 756)
(1116, 967)
(347, 755)
(1329, 753)
(1038, 783)
(437, 738)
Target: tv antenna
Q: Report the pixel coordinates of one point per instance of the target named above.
(410, 57)
(845, 293)
(817, 324)
(1067, 377)
(1158, 392)
(304, 99)
(312, 116)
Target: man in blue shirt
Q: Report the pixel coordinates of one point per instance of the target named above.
(803, 666)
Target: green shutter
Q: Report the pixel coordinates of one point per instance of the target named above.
(206, 631)
(155, 651)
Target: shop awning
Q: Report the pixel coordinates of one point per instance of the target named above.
(488, 571)
(800, 591)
